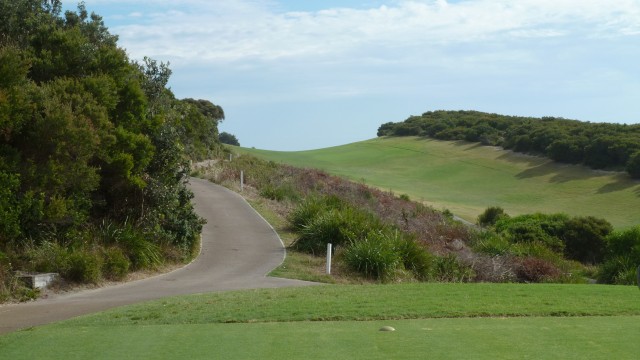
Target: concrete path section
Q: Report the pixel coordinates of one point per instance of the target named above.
(238, 249)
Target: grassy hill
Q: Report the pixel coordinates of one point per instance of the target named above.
(466, 178)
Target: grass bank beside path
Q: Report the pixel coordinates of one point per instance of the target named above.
(436, 321)
(466, 178)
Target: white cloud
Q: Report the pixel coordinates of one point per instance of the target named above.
(239, 30)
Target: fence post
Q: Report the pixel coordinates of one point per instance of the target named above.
(328, 259)
(241, 180)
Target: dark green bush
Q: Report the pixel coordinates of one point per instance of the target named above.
(585, 239)
(622, 257)
(491, 215)
(414, 257)
(375, 256)
(618, 270)
(116, 264)
(84, 266)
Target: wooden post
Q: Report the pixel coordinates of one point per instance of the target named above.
(241, 180)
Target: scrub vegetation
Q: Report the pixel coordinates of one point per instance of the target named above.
(381, 237)
(94, 152)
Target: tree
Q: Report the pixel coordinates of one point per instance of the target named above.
(491, 215)
(230, 139)
(633, 165)
(585, 239)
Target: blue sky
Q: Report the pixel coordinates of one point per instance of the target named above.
(295, 75)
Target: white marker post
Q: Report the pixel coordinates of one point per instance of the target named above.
(241, 180)
(328, 259)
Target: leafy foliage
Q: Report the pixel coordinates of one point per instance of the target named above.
(229, 139)
(622, 257)
(491, 215)
(86, 135)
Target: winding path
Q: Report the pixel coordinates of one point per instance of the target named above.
(238, 249)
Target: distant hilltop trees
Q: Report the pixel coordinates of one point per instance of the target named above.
(596, 145)
(229, 139)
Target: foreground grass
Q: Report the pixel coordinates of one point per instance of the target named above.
(377, 302)
(441, 321)
(467, 178)
(488, 338)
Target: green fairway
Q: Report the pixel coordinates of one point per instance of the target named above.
(487, 338)
(438, 321)
(467, 178)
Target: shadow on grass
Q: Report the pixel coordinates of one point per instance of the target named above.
(621, 183)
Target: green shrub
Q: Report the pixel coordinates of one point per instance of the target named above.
(585, 238)
(336, 227)
(543, 228)
(143, 254)
(491, 215)
(619, 270)
(375, 256)
(116, 264)
(84, 266)
(489, 242)
(449, 269)
(414, 257)
(625, 242)
(536, 249)
(622, 257)
(311, 207)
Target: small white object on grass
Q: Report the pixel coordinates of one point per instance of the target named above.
(387, 328)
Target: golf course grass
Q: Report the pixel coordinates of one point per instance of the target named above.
(467, 178)
(436, 321)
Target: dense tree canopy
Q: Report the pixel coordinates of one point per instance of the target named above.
(597, 145)
(229, 139)
(89, 137)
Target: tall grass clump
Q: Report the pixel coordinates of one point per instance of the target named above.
(335, 226)
(622, 257)
(311, 207)
(374, 256)
(384, 255)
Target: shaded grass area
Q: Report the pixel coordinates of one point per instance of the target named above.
(489, 338)
(376, 302)
(466, 178)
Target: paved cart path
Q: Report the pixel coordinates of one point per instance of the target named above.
(238, 249)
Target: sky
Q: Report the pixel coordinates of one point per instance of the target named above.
(308, 74)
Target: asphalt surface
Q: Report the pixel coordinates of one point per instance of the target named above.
(238, 249)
